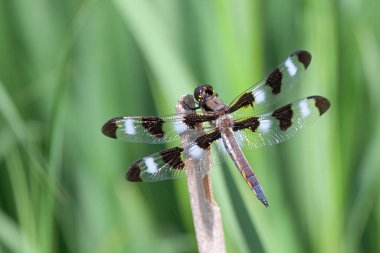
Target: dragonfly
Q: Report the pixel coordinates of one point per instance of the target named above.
(246, 122)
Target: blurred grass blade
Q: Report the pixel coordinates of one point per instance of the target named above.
(151, 32)
(10, 113)
(12, 238)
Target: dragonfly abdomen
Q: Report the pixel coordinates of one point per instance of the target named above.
(253, 183)
(237, 156)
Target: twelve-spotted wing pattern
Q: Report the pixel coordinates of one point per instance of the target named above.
(252, 130)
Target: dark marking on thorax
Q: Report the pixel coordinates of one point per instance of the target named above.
(216, 105)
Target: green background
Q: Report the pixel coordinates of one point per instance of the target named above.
(68, 66)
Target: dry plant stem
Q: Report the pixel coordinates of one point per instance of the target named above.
(206, 214)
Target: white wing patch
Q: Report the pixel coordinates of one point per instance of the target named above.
(260, 97)
(264, 126)
(291, 67)
(179, 127)
(304, 108)
(196, 152)
(129, 127)
(151, 165)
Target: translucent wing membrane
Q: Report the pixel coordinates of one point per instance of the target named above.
(167, 164)
(153, 129)
(272, 89)
(228, 135)
(281, 124)
(170, 163)
(252, 132)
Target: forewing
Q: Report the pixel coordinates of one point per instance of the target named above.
(277, 84)
(172, 163)
(153, 129)
(281, 124)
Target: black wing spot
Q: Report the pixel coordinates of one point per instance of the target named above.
(153, 125)
(192, 120)
(274, 80)
(110, 127)
(323, 104)
(133, 173)
(244, 100)
(173, 157)
(205, 141)
(251, 123)
(284, 115)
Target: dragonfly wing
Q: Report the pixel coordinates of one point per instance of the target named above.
(281, 124)
(153, 129)
(274, 87)
(172, 163)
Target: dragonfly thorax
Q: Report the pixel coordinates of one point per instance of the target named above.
(224, 121)
(208, 100)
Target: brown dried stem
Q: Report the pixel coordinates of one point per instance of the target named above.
(206, 214)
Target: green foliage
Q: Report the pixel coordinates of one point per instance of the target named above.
(68, 66)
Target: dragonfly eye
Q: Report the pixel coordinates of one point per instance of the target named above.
(209, 90)
(202, 91)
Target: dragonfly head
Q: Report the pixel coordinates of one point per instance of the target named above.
(202, 92)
